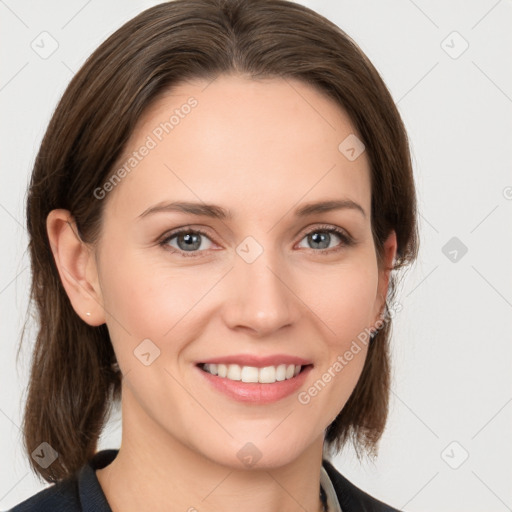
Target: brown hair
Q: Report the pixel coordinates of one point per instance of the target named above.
(73, 382)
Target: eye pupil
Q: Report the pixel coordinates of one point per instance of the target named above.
(319, 237)
(192, 241)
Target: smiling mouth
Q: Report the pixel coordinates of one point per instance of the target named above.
(252, 374)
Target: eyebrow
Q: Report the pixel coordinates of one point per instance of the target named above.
(217, 212)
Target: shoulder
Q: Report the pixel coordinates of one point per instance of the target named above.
(78, 493)
(59, 497)
(350, 497)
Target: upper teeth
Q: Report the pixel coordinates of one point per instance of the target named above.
(266, 375)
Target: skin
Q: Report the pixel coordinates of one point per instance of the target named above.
(260, 149)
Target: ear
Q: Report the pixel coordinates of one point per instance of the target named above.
(390, 248)
(77, 268)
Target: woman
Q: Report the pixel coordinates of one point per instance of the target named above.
(215, 215)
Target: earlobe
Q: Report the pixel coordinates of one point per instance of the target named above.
(389, 255)
(76, 266)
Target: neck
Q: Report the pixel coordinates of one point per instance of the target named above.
(155, 471)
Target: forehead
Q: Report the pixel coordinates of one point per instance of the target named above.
(245, 143)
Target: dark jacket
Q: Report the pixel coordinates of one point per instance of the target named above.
(83, 493)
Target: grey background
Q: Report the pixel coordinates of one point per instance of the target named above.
(452, 346)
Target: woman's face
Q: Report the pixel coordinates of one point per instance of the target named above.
(259, 280)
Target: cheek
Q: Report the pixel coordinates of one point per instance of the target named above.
(149, 300)
(343, 301)
(343, 298)
(140, 300)
(344, 311)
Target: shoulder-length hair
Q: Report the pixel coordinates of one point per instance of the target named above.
(73, 378)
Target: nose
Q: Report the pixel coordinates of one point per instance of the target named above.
(261, 297)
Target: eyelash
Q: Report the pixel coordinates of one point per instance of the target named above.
(346, 240)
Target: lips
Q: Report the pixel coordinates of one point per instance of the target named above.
(255, 393)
